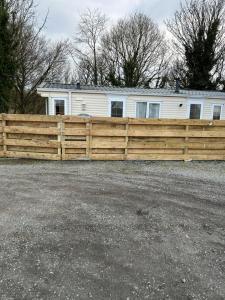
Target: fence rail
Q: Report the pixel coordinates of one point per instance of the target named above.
(73, 138)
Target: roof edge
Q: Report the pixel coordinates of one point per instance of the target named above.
(159, 92)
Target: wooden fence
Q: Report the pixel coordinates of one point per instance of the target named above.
(73, 138)
(28, 136)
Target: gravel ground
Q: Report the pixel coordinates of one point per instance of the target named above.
(112, 230)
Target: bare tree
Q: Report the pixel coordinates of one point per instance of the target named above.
(68, 73)
(199, 40)
(87, 43)
(85, 71)
(135, 51)
(13, 14)
(37, 58)
(176, 70)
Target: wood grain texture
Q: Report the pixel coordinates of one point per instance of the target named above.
(74, 138)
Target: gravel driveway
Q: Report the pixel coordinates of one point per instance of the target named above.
(112, 230)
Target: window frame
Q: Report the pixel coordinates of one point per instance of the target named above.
(114, 98)
(221, 112)
(190, 102)
(52, 108)
(63, 100)
(147, 111)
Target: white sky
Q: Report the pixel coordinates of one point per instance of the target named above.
(64, 14)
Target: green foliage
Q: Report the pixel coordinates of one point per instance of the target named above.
(130, 68)
(201, 57)
(199, 32)
(113, 79)
(7, 59)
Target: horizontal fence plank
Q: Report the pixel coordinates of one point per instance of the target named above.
(206, 152)
(29, 149)
(171, 145)
(32, 143)
(109, 145)
(74, 157)
(108, 132)
(175, 157)
(156, 157)
(175, 133)
(74, 144)
(74, 119)
(32, 118)
(32, 130)
(181, 122)
(76, 132)
(155, 151)
(42, 156)
(102, 120)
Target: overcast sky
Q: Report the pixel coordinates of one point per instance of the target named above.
(64, 14)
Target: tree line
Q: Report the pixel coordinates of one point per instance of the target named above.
(133, 52)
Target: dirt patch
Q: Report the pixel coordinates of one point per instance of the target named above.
(112, 230)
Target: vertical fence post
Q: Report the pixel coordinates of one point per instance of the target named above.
(60, 127)
(63, 138)
(4, 135)
(89, 139)
(63, 152)
(126, 138)
(186, 143)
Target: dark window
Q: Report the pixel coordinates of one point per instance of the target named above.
(116, 109)
(217, 112)
(59, 107)
(195, 111)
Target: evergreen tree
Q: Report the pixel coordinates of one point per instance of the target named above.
(198, 29)
(7, 58)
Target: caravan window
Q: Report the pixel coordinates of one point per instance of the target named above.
(195, 111)
(117, 109)
(59, 107)
(154, 109)
(149, 110)
(217, 110)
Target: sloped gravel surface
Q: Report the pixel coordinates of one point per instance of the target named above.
(112, 230)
